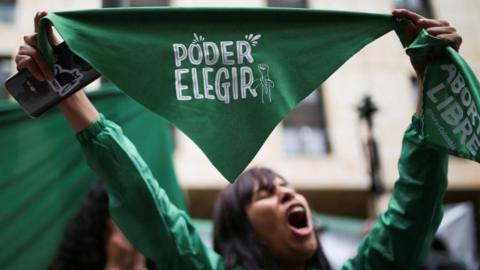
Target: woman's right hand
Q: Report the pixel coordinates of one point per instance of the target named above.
(29, 56)
(78, 110)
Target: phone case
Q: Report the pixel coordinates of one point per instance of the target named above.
(36, 97)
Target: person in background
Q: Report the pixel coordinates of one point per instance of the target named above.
(261, 222)
(93, 241)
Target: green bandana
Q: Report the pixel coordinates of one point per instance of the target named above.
(450, 100)
(225, 77)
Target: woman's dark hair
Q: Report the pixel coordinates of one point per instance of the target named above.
(234, 238)
(84, 243)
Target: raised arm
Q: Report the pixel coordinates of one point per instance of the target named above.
(137, 203)
(404, 232)
(139, 206)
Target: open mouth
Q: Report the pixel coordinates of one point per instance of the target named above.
(297, 217)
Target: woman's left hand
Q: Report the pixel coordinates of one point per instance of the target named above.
(439, 28)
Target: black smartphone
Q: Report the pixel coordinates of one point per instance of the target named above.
(71, 74)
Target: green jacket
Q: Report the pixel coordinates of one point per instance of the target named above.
(165, 234)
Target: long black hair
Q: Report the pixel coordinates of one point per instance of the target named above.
(83, 245)
(234, 238)
(84, 242)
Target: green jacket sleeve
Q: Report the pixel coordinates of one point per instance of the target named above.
(404, 232)
(139, 206)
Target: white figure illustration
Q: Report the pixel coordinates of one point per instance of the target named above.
(264, 82)
(65, 80)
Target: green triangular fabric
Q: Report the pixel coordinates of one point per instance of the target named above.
(283, 54)
(225, 77)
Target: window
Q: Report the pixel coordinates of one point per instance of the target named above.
(287, 3)
(134, 3)
(304, 129)
(5, 64)
(421, 7)
(7, 10)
